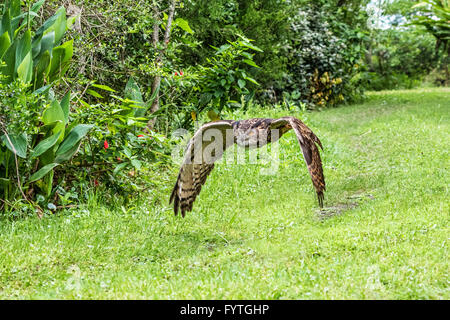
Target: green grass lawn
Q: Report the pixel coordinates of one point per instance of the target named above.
(383, 235)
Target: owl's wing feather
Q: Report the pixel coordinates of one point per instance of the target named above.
(307, 140)
(205, 147)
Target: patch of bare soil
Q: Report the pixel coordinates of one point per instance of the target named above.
(351, 203)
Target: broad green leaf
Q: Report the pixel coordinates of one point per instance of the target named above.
(23, 49)
(40, 70)
(18, 144)
(48, 25)
(45, 144)
(36, 46)
(241, 83)
(6, 24)
(153, 96)
(61, 57)
(65, 106)
(46, 43)
(60, 25)
(25, 69)
(55, 113)
(24, 17)
(46, 128)
(71, 21)
(10, 60)
(74, 136)
(66, 156)
(14, 7)
(5, 42)
(223, 48)
(132, 91)
(42, 172)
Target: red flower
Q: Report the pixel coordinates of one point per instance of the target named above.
(119, 159)
(176, 73)
(140, 136)
(96, 183)
(181, 72)
(106, 144)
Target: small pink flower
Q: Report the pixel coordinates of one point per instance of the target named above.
(106, 144)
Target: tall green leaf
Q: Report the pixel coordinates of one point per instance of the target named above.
(54, 113)
(65, 106)
(6, 24)
(66, 156)
(22, 49)
(74, 136)
(41, 70)
(47, 26)
(46, 43)
(10, 61)
(61, 57)
(42, 172)
(5, 42)
(133, 92)
(25, 69)
(18, 144)
(45, 144)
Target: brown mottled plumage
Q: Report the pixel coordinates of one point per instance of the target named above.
(251, 133)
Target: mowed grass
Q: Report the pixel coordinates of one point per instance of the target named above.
(383, 235)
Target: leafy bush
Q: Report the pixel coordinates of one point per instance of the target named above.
(398, 58)
(322, 65)
(214, 86)
(36, 132)
(120, 147)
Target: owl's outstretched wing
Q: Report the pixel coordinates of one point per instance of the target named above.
(204, 148)
(307, 140)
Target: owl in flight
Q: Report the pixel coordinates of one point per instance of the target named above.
(213, 138)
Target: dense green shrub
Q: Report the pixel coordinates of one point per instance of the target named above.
(398, 58)
(49, 155)
(120, 151)
(37, 134)
(218, 21)
(296, 37)
(322, 64)
(216, 86)
(115, 44)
